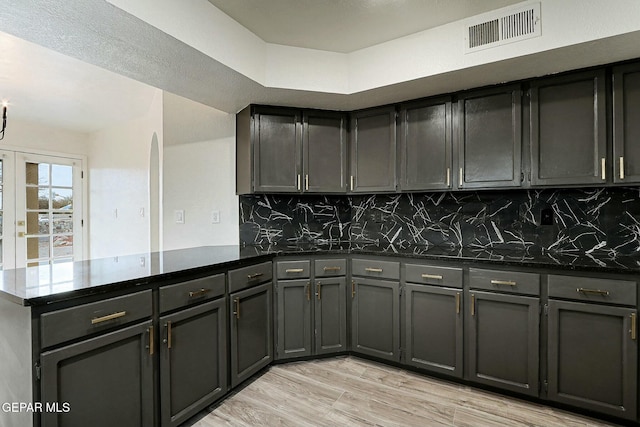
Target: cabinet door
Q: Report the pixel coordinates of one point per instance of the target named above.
(106, 381)
(593, 357)
(293, 299)
(375, 318)
(433, 328)
(193, 360)
(568, 130)
(373, 150)
(277, 150)
(251, 331)
(324, 152)
(503, 333)
(330, 315)
(425, 145)
(626, 126)
(490, 138)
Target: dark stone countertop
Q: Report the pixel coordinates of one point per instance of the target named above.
(62, 281)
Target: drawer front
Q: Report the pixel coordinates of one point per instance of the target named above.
(591, 289)
(252, 275)
(330, 267)
(75, 322)
(505, 281)
(191, 292)
(427, 274)
(293, 269)
(375, 268)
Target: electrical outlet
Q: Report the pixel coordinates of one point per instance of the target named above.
(142, 212)
(179, 216)
(215, 217)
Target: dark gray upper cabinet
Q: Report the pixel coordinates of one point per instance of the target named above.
(490, 138)
(324, 151)
(425, 145)
(626, 124)
(373, 150)
(568, 130)
(293, 301)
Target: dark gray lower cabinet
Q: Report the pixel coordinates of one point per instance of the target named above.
(251, 331)
(193, 360)
(104, 381)
(294, 318)
(330, 313)
(433, 328)
(503, 340)
(592, 357)
(375, 316)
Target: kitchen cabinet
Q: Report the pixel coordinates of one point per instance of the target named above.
(251, 320)
(294, 318)
(503, 330)
(569, 130)
(286, 150)
(375, 308)
(626, 126)
(593, 348)
(433, 313)
(426, 145)
(330, 306)
(373, 150)
(193, 348)
(490, 138)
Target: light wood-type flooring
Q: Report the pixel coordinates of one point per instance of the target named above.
(348, 391)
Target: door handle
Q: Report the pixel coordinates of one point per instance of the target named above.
(633, 326)
(353, 289)
(458, 303)
(473, 305)
(319, 286)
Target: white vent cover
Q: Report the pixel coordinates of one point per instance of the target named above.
(503, 26)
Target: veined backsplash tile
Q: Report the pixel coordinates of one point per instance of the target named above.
(583, 221)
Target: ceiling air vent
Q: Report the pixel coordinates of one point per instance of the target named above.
(502, 26)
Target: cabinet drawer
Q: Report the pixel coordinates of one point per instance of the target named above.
(293, 269)
(64, 325)
(591, 289)
(505, 281)
(193, 291)
(443, 276)
(252, 275)
(330, 267)
(375, 268)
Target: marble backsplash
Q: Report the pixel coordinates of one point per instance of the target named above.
(562, 221)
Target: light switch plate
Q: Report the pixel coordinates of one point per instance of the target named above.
(179, 216)
(215, 217)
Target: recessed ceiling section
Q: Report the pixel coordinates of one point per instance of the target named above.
(346, 26)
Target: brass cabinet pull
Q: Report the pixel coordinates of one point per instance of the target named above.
(117, 315)
(504, 282)
(237, 302)
(473, 305)
(169, 334)
(633, 326)
(306, 182)
(299, 183)
(431, 276)
(201, 292)
(593, 291)
(308, 291)
(351, 182)
(373, 270)
(319, 291)
(254, 276)
(621, 167)
(603, 165)
(332, 268)
(294, 270)
(458, 303)
(353, 289)
(151, 345)
(448, 177)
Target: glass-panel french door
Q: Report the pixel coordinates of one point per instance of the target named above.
(41, 209)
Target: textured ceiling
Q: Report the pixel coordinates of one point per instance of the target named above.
(347, 25)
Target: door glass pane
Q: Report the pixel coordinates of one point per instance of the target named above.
(37, 173)
(62, 198)
(62, 246)
(62, 176)
(62, 223)
(37, 223)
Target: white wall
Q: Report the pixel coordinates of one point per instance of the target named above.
(119, 180)
(198, 175)
(26, 136)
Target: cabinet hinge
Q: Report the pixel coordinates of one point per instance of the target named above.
(37, 369)
(545, 383)
(81, 174)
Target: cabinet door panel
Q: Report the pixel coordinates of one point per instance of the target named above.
(425, 146)
(325, 152)
(277, 144)
(490, 138)
(331, 315)
(251, 331)
(373, 150)
(433, 328)
(503, 341)
(294, 318)
(107, 380)
(193, 370)
(568, 130)
(592, 357)
(376, 317)
(626, 126)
